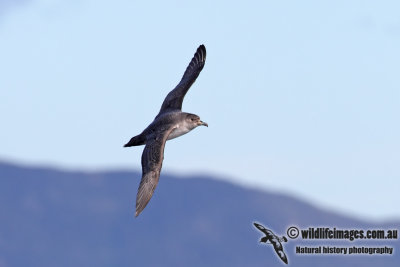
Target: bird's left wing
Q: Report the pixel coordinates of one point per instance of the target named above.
(174, 99)
(152, 158)
(263, 229)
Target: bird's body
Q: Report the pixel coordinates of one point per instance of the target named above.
(170, 123)
(174, 119)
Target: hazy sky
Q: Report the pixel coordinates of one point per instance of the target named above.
(300, 96)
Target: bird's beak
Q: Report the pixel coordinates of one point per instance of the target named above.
(203, 123)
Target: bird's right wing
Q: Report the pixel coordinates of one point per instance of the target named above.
(174, 99)
(281, 254)
(152, 158)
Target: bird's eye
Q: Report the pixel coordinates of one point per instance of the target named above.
(192, 119)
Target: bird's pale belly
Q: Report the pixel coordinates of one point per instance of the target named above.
(178, 131)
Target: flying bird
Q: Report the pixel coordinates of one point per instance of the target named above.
(274, 240)
(169, 123)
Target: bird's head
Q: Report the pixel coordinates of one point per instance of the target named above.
(194, 121)
(264, 239)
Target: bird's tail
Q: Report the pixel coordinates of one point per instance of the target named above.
(137, 140)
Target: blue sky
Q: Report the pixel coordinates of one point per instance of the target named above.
(300, 96)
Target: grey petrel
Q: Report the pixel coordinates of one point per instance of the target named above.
(170, 123)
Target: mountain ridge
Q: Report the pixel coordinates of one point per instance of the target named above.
(65, 218)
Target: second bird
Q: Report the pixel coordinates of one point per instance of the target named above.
(170, 123)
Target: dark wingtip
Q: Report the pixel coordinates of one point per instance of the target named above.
(201, 51)
(202, 47)
(138, 211)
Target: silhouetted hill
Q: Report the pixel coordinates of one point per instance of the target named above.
(59, 218)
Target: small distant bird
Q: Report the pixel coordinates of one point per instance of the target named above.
(170, 123)
(274, 240)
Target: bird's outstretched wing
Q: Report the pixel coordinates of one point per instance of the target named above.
(281, 254)
(174, 99)
(263, 229)
(260, 227)
(152, 158)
